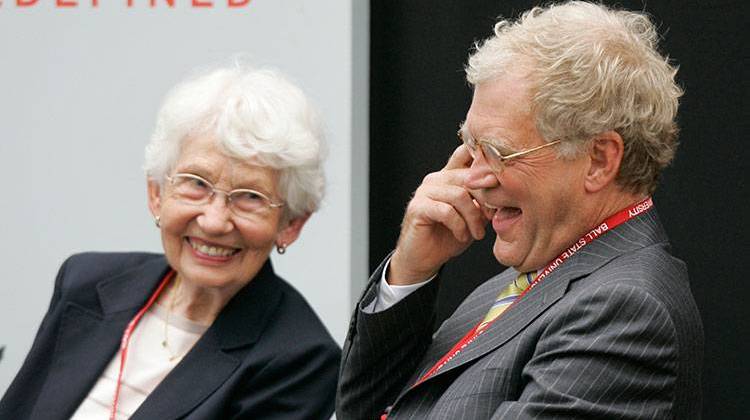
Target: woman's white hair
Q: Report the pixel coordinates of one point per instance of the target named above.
(592, 69)
(256, 115)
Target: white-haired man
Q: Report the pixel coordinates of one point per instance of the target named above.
(571, 123)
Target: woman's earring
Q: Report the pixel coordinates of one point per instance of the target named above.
(157, 221)
(281, 248)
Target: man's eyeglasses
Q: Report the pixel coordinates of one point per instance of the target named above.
(492, 155)
(194, 190)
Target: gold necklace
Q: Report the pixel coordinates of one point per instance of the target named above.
(172, 356)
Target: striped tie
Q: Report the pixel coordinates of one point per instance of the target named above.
(506, 298)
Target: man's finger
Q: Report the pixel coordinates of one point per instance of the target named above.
(447, 177)
(461, 158)
(464, 204)
(446, 215)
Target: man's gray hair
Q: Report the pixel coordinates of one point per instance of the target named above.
(592, 69)
(256, 115)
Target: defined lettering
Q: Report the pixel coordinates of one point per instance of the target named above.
(152, 4)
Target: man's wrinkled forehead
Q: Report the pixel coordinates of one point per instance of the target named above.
(501, 142)
(500, 110)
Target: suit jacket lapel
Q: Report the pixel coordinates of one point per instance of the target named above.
(89, 337)
(218, 353)
(637, 233)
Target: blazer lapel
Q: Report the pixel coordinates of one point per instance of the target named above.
(637, 233)
(219, 353)
(89, 338)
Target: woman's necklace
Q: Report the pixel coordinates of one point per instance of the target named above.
(172, 355)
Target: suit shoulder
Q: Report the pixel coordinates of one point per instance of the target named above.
(88, 268)
(112, 257)
(300, 320)
(654, 273)
(653, 269)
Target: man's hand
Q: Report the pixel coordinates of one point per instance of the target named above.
(441, 221)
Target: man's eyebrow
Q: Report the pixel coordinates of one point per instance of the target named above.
(463, 130)
(500, 143)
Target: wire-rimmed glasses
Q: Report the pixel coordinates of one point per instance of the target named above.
(195, 190)
(495, 159)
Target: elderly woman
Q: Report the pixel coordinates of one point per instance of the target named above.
(207, 330)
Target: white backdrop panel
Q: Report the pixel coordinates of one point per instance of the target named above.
(79, 90)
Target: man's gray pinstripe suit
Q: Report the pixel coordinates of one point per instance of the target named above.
(612, 333)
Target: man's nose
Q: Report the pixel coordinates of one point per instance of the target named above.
(481, 175)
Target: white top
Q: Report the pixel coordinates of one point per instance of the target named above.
(147, 364)
(389, 295)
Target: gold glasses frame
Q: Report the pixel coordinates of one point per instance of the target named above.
(492, 155)
(268, 202)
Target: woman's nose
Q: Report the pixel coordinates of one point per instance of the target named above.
(216, 217)
(481, 175)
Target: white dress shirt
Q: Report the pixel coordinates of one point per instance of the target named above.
(389, 295)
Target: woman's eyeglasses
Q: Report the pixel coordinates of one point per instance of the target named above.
(194, 190)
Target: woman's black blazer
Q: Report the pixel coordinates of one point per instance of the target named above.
(266, 356)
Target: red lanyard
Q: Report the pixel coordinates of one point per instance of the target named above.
(610, 223)
(124, 342)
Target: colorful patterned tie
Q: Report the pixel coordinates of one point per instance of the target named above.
(506, 297)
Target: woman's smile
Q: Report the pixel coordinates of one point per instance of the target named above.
(213, 251)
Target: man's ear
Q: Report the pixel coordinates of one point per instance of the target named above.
(605, 156)
(153, 190)
(288, 234)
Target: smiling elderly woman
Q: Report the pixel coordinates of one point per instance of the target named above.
(207, 330)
